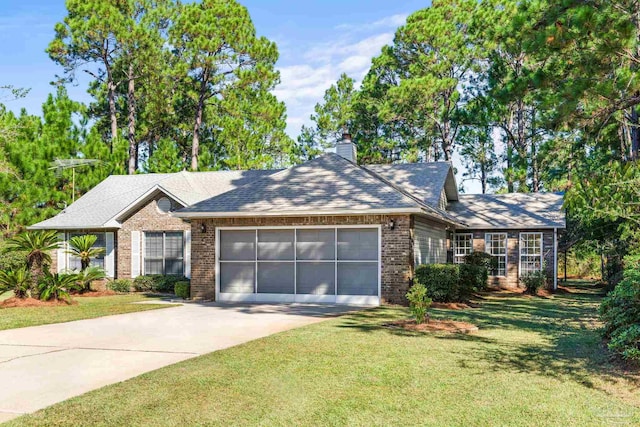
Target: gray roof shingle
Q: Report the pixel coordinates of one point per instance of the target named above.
(326, 183)
(105, 201)
(423, 180)
(513, 210)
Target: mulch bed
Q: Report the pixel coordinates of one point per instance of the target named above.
(107, 293)
(31, 302)
(454, 305)
(434, 325)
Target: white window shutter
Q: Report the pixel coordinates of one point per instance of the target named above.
(109, 256)
(135, 253)
(61, 254)
(187, 254)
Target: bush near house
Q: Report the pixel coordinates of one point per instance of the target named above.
(451, 282)
(182, 289)
(419, 302)
(120, 285)
(620, 312)
(157, 283)
(533, 281)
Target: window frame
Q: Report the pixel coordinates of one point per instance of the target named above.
(164, 252)
(488, 238)
(540, 255)
(102, 257)
(456, 256)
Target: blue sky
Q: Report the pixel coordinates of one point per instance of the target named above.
(317, 39)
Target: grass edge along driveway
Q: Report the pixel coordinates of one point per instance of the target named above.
(86, 308)
(534, 362)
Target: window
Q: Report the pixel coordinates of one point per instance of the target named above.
(74, 262)
(496, 245)
(164, 253)
(462, 246)
(530, 252)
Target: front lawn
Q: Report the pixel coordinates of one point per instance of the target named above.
(534, 362)
(86, 308)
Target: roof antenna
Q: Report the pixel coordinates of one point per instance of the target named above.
(61, 164)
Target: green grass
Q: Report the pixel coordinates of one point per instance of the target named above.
(534, 362)
(86, 308)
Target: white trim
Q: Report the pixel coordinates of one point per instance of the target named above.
(136, 268)
(455, 245)
(301, 298)
(142, 198)
(61, 253)
(538, 233)
(109, 254)
(506, 251)
(186, 255)
(315, 212)
(555, 259)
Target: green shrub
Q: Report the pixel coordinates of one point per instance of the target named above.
(143, 283)
(157, 283)
(182, 289)
(533, 281)
(620, 312)
(419, 302)
(441, 281)
(482, 259)
(57, 286)
(16, 281)
(120, 285)
(473, 278)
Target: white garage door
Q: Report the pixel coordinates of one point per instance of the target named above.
(305, 264)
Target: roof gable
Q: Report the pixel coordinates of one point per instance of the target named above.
(513, 210)
(117, 195)
(327, 183)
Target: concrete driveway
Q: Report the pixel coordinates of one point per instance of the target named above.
(42, 365)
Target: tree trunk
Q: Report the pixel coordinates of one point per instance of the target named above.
(483, 178)
(131, 101)
(36, 273)
(195, 144)
(111, 94)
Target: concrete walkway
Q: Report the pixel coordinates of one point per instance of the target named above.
(42, 365)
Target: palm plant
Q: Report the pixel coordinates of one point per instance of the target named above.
(88, 275)
(15, 280)
(82, 247)
(36, 245)
(57, 286)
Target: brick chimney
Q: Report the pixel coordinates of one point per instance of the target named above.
(347, 149)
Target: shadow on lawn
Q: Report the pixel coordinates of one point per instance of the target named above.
(570, 348)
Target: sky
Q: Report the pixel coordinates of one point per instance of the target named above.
(317, 40)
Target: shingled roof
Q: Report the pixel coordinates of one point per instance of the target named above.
(102, 206)
(513, 210)
(327, 184)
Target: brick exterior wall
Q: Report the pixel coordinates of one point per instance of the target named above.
(396, 256)
(513, 255)
(147, 218)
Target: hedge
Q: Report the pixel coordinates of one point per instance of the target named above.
(451, 282)
(182, 289)
(157, 283)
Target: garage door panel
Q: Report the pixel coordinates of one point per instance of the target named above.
(316, 244)
(357, 244)
(358, 278)
(237, 277)
(237, 245)
(316, 278)
(275, 244)
(276, 278)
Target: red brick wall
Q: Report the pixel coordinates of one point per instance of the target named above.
(147, 218)
(396, 246)
(513, 254)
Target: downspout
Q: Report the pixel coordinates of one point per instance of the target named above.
(555, 259)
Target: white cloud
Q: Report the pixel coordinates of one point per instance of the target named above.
(303, 82)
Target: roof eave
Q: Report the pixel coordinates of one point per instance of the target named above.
(74, 227)
(315, 212)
